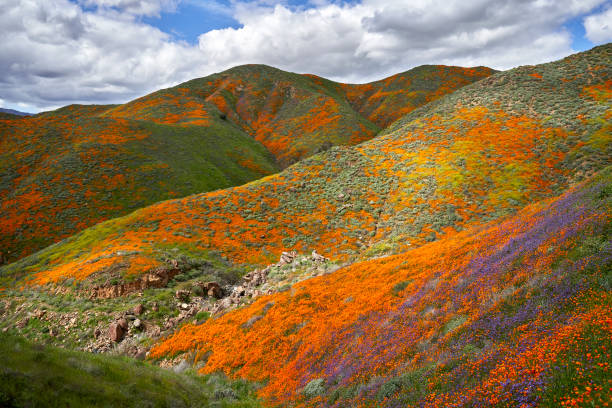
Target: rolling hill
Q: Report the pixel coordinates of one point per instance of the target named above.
(66, 170)
(476, 155)
(512, 313)
(467, 252)
(294, 115)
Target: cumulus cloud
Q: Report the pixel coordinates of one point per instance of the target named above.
(376, 38)
(598, 27)
(54, 52)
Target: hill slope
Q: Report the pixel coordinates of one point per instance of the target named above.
(39, 376)
(473, 156)
(288, 113)
(509, 314)
(65, 170)
(294, 115)
(385, 101)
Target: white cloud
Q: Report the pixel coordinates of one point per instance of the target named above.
(377, 38)
(598, 27)
(54, 52)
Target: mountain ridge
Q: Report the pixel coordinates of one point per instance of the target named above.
(171, 143)
(14, 112)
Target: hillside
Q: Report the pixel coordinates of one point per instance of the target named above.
(385, 101)
(66, 170)
(512, 313)
(476, 155)
(428, 248)
(39, 376)
(288, 113)
(294, 115)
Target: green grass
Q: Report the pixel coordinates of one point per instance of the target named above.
(41, 376)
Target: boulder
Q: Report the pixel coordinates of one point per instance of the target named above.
(123, 323)
(225, 303)
(238, 291)
(343, 196)
(255, 278)
(137, 323)
(213, 289)
(138, 309)
(39, 313)
(316, 257)
(287, 257)
(116, 332)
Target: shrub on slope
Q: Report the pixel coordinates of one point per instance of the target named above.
(509, 314)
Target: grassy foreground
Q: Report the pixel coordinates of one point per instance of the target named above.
(41, 376)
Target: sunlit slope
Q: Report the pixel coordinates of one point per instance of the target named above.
(496, 145)
(385, 101)
(476, 155)
(512, 313)
(63, 171)
(288, 113)
(293, 115)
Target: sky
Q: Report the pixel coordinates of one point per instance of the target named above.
(58, 52)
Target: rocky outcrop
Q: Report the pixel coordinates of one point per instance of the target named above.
(157, 278)
(318, 258)
(123, 331)
(287, 258)
(252, 285)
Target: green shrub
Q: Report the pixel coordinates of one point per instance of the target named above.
(314, 388)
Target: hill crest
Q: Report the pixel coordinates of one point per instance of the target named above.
(208, 133)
